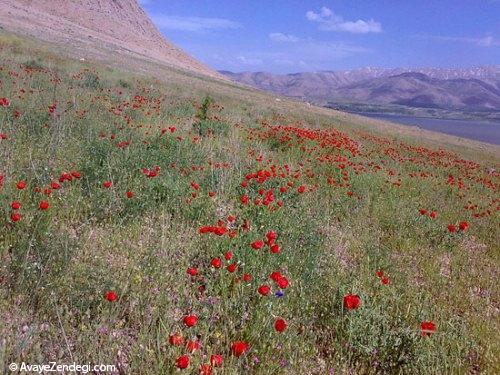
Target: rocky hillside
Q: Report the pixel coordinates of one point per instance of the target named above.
(93, 28)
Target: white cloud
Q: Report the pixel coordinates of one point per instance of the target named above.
(280, 37)
(193, 23)
(487, 41)
(249, 60)
(329, 21)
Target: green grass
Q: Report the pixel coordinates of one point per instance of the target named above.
(109, 125)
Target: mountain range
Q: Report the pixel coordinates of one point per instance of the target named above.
(474, 89)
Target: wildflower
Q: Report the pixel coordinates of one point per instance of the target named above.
(238, 348)
(258, 244)
(107, 184)
(192, 271)
(216, 262)
(264, 290)
(216, 360)
(452, 228)
(190, 320)
(463, 226)
(111, 296)
(76, 174)
(176, 339)
(275, 249)
(283, 282)
(280, 325)
(21, 185)
(205, 370)
(129, 194)
(192, 346)
(385, 280)
(43, 205)
(15, 216)
(352, 301)
(247, 278)
(427, 328)
(232, 267)
(15, 205)
(182, 362)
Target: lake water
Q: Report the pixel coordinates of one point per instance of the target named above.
(484, 131)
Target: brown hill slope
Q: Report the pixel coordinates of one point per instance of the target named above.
(94, 28)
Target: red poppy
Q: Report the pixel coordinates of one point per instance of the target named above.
(76, 174)
(427, 328)
(192, 271)
(107, 184)
(275, 249)
(21, 185)
(182, 362)
(192, 346)
(190, 320)
(15, 205)
(216, 360)
(282, 282)
(205, 370)
(15, 216)
(379, 273)
(422, 211)
(4, 102)
(258, 244)
(211, 194)
(43, 205)
(238, 348)
(280, 325)
(55, 185)
(275, 276)
(176, 339)
(111, 296)
(385, 280)
(452, 228)
(216, 262)
(130, 194)
(232, 267)
(228, 255)
(264, 290)
(301, 189)
(463, 226)
(433, 215)
(247, 278)
(352, 301)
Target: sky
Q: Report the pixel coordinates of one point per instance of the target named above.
(288, 36)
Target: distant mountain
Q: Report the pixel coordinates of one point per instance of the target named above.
(475, 89)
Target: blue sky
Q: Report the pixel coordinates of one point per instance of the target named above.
(285, 36)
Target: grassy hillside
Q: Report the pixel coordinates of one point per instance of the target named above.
(147, 217)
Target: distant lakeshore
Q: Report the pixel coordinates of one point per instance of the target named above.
(479, 130)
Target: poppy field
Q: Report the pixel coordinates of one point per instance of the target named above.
(172, 228)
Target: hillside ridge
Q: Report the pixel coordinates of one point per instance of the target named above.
(96, 28)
